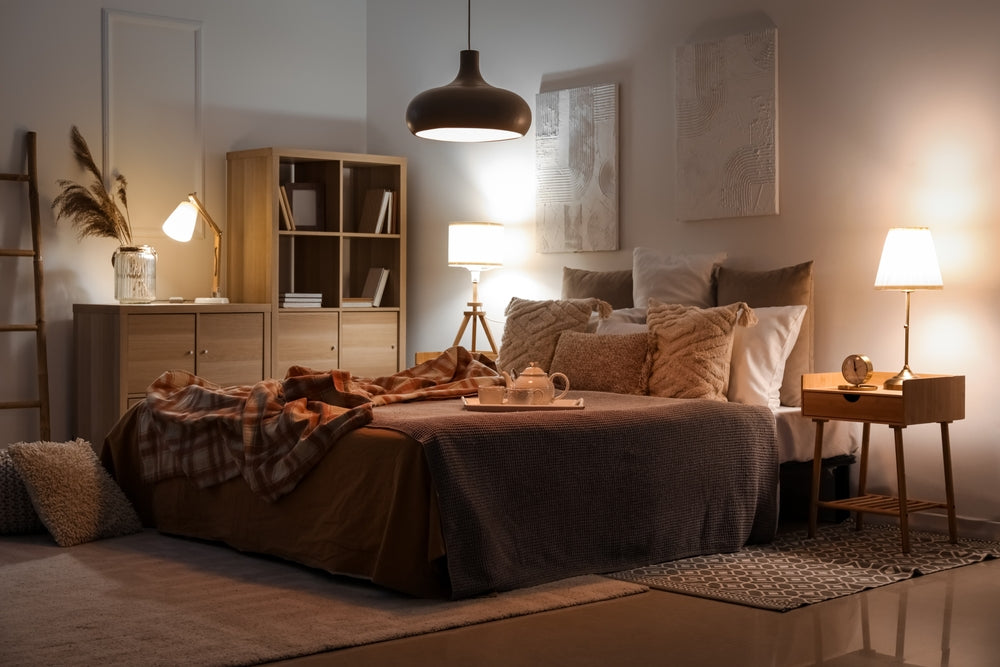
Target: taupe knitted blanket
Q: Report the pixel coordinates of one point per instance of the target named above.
(530, 497)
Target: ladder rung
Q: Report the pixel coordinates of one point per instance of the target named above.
(18, 327)
(16, 252)
(14, 177)
(17, 405)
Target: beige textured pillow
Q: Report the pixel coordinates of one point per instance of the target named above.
(533, 327)
(691, 348)
(787, 286)
(72, 493)
(595, 362)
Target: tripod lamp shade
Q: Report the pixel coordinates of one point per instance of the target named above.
(908, 261)
(476, 246)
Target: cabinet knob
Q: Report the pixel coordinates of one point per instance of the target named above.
(204, 351)
(333, 348)
(189, 353)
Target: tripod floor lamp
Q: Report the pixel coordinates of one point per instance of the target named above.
(476, 246)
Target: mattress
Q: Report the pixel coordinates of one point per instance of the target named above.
(797, 436)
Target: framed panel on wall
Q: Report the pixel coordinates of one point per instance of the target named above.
(152, 112)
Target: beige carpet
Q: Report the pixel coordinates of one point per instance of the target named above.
(149, 599)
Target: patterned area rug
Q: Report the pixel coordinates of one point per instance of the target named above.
(794, 570)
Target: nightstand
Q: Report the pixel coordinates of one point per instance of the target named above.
(924, 400)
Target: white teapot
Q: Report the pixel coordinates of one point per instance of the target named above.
(535, 378)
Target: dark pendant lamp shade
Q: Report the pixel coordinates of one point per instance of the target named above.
(468, 109)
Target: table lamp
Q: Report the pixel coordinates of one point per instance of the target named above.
(180, 226)
(908, 263)
(476, 246)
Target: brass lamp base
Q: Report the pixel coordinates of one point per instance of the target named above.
(896, 381)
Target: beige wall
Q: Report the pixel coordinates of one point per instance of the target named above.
(888, 117)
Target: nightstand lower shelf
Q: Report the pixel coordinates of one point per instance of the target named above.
(877, 504)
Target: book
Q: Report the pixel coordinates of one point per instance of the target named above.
(390, 218)
(372, 211)
(375, 284)
(286, 210)
(356, 302)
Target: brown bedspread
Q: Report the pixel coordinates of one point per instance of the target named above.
(628, 481)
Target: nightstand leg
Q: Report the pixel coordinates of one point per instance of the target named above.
(817, 470)
(948, 486)
(904, 518)
(866, 431)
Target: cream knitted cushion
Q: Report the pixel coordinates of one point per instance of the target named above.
(691, 348)
(533, 328)
(73, 494)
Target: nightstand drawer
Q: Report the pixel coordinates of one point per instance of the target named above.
(860, 406)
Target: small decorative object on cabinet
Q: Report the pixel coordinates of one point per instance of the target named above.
(121, 349)
(345, 218)
(923, 400)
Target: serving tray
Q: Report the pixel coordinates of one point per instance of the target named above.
(472, 403)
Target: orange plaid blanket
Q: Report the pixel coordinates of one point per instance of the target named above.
(271, 433)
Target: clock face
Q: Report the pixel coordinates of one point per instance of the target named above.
(857, 369)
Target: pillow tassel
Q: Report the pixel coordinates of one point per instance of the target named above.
(746, 318)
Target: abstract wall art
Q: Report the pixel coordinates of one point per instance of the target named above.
(727, 122)
(576, 169)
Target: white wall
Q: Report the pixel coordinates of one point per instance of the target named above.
(888, 117)
(288, 73)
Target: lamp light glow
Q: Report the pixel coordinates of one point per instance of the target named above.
(476, 246)
(908, 263)
(180, 227)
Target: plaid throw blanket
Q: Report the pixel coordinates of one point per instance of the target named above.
(273, 432)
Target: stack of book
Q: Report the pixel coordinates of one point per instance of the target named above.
(301, 300)
(371, 293)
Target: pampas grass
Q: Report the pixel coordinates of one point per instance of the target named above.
(92, 209)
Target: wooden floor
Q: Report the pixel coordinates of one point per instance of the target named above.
(948, 618)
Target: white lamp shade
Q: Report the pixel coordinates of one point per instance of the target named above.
(476, 246)
(908, 261)
(180, 225)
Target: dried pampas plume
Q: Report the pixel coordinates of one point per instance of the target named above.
(93, 210)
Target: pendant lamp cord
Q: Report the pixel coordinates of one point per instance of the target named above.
(468, 29)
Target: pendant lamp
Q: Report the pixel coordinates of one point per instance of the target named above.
(468, 109)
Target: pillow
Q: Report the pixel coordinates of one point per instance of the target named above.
(17, 516)
(593, 362)
(72, 493)
(533, 327)
(787, 286)
(615, 287)
(759, 355)
(691, 348)
(681, 279)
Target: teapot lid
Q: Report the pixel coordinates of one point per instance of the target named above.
(533, 369)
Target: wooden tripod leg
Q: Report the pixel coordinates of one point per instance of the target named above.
(461, 329)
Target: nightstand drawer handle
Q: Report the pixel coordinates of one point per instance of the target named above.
(852, 398)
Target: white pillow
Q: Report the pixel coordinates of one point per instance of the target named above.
(759, 355)
(680, 279)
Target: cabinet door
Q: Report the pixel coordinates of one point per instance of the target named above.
(369, 343)
(306, 339)
(157, 343)
(230, 348)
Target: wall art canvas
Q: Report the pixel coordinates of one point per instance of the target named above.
(727, 121)
(576, 169)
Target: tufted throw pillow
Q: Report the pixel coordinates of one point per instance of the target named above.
(760, 353)
(72, 493)
(533, 327)
(17, 516)
(613, 363)
(691, 348)
(615, 287)
(786, 286)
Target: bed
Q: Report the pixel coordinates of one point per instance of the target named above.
(431, 499)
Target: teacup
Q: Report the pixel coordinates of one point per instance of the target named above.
(491, 395)
(525, 396)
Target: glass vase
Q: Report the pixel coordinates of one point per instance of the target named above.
(135, 274)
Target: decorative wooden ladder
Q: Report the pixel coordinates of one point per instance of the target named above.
(41, 402)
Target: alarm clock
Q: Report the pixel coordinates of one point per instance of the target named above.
(857, 370)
